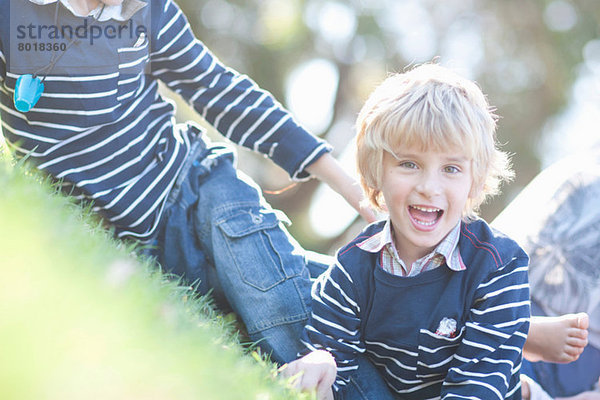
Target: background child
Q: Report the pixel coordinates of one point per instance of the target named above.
(431, 301)
(556, 219)
(104, 129)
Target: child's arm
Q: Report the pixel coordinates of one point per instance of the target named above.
(488, 360)
(328, 170)
(229, 101)
(237, 107)
(314, 371)
(334, 325)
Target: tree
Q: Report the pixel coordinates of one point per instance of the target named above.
(525, 55)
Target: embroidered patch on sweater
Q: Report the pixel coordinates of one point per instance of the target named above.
(447, 328)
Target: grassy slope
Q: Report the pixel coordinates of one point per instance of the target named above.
(81, 319)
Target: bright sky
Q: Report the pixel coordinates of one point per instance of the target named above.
(576, 129)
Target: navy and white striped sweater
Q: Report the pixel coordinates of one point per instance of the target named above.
(102, 127)
(475, 353)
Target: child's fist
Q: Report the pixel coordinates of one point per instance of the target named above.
(316, 370)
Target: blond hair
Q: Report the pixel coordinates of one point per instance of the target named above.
(431, 108)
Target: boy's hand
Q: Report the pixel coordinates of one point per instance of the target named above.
(328, 170)
(316, 370)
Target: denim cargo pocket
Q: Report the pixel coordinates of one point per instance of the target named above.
(260, 249)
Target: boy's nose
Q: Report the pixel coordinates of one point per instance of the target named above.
(429, 185)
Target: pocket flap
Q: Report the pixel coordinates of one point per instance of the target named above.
(245, 222)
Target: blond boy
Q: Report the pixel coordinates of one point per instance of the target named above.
(431, 302)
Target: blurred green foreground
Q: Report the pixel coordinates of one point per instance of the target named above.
(82, 319)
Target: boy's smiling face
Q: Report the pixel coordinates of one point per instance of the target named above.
(425, 193)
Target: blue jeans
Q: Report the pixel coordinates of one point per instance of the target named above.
(365, 384)
(562, 380)
(219, 234)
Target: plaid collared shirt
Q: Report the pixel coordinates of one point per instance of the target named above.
(446, 252)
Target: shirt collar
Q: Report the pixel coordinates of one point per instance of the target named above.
(448, 247)
(121, 12)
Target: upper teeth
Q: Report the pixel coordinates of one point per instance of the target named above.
(426, 209)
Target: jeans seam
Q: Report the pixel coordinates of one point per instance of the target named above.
(197, 147)
(234, 206)
(358, 388)
(279, 322)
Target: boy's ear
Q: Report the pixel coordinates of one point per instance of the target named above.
(381, 201)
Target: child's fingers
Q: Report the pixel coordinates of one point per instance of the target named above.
(302, 378)
(328, 378)
(315, 371)
(368, 214)
(290, 370)
(284, 370)
(326, 394)
(324, 390)
(313, 379)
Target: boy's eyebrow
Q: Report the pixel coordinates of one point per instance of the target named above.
(456, 159)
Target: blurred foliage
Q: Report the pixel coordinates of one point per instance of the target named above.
(524, 54)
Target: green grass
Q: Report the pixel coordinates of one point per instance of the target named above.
(81, 318)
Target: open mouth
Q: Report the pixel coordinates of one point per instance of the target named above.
(425, 216)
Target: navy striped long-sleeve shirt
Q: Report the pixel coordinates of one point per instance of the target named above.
(441, 334)
(101, 125)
